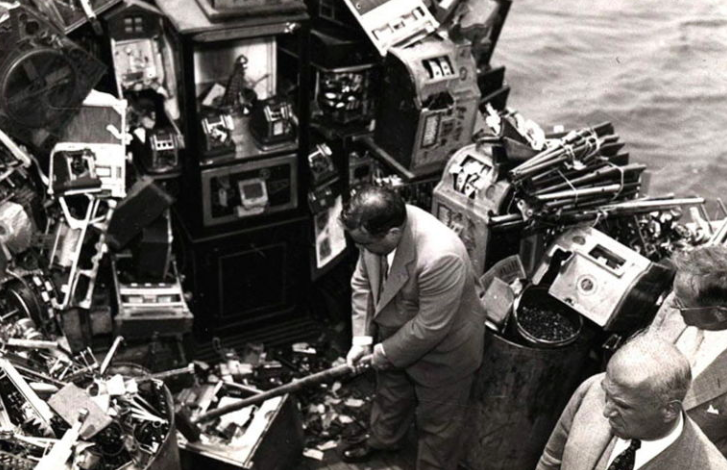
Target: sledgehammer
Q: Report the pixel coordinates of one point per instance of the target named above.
(188, 425)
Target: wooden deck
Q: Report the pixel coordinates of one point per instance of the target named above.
(403, 460)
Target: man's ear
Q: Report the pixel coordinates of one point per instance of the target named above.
(396, 231)
(671, 410)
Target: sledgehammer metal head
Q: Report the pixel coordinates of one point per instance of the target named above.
(191, 431)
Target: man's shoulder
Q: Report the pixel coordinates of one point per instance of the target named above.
(592, 381)
(590, 387)
(421, 217)
(668, 321)
(431, 233)
(698, 445)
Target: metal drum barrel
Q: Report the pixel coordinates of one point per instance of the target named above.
(517, 397)
(167, 455)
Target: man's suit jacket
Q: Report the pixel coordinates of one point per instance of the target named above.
(706, 401)
(429, 315)
(583, 440)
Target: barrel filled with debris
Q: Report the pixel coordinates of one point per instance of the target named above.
(542, 321)
(158, 437)
(520, 390)
(86, 419)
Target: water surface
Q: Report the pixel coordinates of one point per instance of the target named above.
(656, 69)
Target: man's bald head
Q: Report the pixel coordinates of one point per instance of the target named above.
(645, 383)
(649, 360)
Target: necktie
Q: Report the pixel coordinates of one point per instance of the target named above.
(384, 273)
(625, 460)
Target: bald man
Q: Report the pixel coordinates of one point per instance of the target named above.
(631, 417)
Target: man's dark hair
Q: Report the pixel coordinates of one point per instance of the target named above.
(376, 209)
(703, 273)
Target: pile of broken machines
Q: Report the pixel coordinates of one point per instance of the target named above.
(60, 408)
(65, 199)
(72, 213)
(71, 208)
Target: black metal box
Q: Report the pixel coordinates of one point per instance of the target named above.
(246, 276)
(274, 442)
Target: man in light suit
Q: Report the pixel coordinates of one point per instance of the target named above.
(631, 417)
(417, 305)
(694, 317)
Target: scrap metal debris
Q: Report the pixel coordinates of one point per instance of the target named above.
(584, 177)
(331, 412)
(60, 411)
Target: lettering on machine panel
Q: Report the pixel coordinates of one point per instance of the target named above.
(406, 23)
(470, 176)
(438, 67)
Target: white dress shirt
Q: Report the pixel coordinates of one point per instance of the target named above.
(390, 260)
(648, 449)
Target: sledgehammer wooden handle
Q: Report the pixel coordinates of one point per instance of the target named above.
(309, 380)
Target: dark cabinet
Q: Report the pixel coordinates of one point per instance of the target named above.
(247, 278)
(245, 109)
(243, 227)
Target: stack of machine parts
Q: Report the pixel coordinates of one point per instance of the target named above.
(60, 212)
(581, 170)
(428, 107)
(570, 208)
(584, 177)
(60, 408)
(518, 187)
(88, 179)
(574, 179)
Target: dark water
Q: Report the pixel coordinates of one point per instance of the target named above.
(656, 69)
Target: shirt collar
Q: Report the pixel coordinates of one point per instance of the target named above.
(650, 449)
(390, 258)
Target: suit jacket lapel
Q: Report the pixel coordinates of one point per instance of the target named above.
(601, 461)
(399, 273)
(710, 384)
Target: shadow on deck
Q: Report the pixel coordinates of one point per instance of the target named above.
(402, 460)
